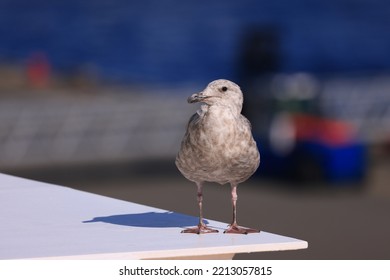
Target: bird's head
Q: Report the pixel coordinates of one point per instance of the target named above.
(220, 92)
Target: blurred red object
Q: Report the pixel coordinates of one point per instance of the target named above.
(38, 70)
(330, 132)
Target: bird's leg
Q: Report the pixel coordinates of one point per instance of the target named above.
(234, 227)
(201, 227)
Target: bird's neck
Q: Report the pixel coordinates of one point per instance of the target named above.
(219, 117)
(219, 110)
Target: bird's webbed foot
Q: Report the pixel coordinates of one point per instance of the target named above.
(234, 228)
(200, 229)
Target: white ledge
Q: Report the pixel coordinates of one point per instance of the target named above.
(45, 221)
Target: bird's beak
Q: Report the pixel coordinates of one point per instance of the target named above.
(197, 97)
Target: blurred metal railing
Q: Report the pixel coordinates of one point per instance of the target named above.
(66, 129)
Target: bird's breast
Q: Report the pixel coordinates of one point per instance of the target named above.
(218, 147)
(219, 127)
(223, 138)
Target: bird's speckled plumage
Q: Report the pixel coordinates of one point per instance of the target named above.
(218, 146)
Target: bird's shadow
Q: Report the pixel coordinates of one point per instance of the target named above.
(149, 219)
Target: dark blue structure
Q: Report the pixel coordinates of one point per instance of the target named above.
(151, 41)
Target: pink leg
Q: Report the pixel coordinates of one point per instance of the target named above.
(234, 227)
(201, 227)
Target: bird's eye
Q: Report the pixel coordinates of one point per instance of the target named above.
(224, 88)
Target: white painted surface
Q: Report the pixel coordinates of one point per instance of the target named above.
(40, 220)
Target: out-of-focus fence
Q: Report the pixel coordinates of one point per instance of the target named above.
(45, 130)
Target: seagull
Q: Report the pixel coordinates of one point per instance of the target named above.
(218, 146)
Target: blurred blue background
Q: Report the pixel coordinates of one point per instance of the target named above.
(174, 42)
(93, 96)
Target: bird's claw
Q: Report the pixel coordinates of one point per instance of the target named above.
(240, 230)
